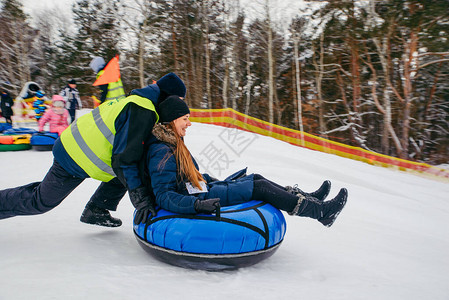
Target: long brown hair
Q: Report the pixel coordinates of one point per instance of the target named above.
(184, 161)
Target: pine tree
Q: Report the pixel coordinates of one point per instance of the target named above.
(16, 45)
(97, 33)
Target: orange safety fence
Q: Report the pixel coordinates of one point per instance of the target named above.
(228, 117)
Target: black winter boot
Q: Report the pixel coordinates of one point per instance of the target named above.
(95, 215)
(325, 212)
(319, 194)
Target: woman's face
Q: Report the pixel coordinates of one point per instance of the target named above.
(181, 124)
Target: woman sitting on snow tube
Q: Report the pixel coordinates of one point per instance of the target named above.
(180, 188)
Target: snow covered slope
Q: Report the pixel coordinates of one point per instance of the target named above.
(390, 242)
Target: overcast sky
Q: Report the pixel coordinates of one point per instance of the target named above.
(31, 5)
(281, 9)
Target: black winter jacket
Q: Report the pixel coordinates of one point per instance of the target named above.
(170, 188)
(6, 105)
(133, 128)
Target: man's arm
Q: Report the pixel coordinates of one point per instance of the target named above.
(133, 127)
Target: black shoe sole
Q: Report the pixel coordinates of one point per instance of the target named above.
(101, 222)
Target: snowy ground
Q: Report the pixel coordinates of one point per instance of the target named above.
(390, 242)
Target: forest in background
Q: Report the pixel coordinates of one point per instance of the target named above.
(372, 74)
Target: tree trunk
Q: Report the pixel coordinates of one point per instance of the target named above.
(141, 57)
(208, 95)
(225, 88)
(319, 70)
(249, 81)
(174, 46)
(298, 85)
(382, 49)
(270, 63)
(409, 72)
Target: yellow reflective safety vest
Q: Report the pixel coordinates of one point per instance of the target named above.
(115, 89)
(89, 139)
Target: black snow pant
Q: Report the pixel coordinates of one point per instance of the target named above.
(8, 119)
(72, 113)
(271, 192)
(40, 197)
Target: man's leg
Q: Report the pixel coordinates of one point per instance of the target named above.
(105, 198)
(72, 115)
(38, 197)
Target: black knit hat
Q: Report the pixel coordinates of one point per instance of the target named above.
(172, 108)
(72, 81)
(171, 84)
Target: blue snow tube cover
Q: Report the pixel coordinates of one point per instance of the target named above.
(20, 130)
(43, 141)
(237, 236)
(5, 126)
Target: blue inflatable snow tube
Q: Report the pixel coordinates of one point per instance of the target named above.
(5, 126)
(43, 141)
(237, 236)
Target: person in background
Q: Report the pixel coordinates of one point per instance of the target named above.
(180, 187)
(56, 116)
(106, 144)
(72, 98)
(110, 91)
(6, 106)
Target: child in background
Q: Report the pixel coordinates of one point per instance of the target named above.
(56, 116)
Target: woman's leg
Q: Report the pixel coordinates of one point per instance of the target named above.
(260, 177)
(324, 212)
(270, 192)
(321, 193)
(300, 205)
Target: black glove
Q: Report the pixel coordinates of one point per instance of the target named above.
(207, 205)
(141, 200)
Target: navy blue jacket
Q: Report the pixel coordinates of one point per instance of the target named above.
(170, 189)
(133, 127)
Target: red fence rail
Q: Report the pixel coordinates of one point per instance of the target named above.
(230, 118)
